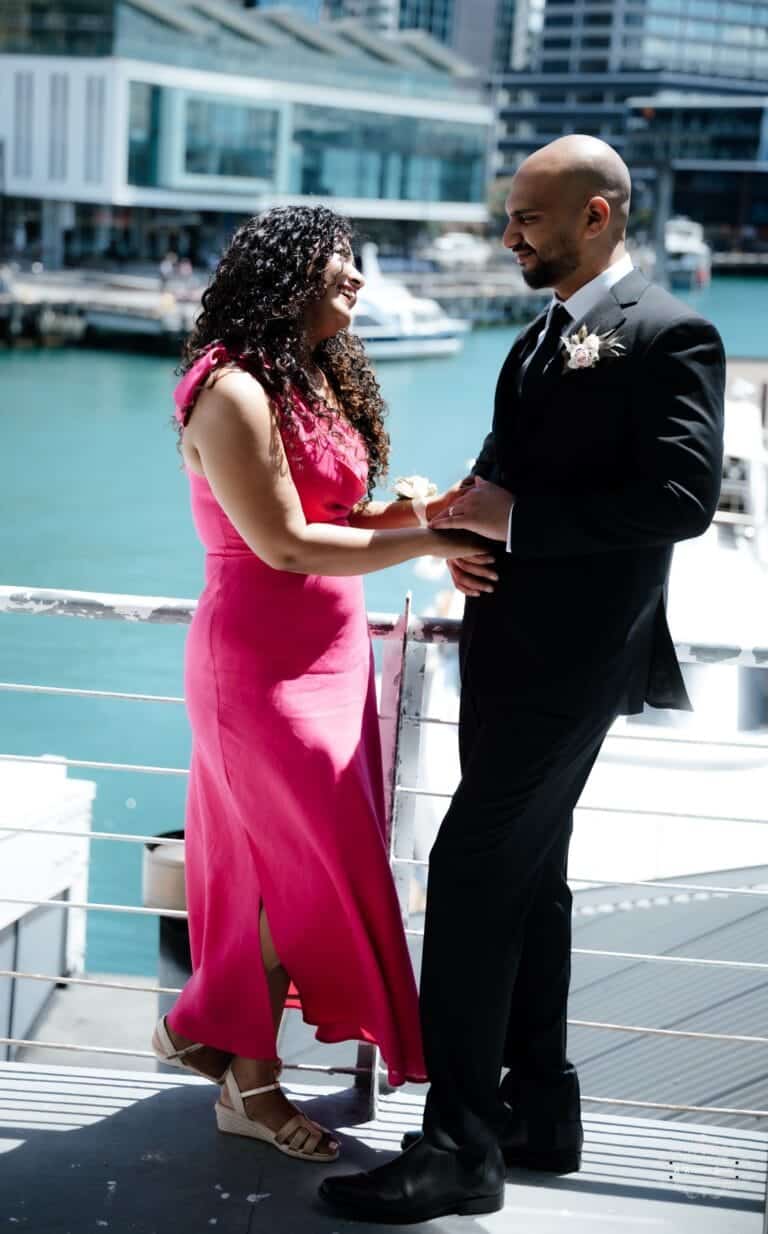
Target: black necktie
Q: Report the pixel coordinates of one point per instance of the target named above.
(548, 347)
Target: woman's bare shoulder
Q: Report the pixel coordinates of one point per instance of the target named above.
(232, 395)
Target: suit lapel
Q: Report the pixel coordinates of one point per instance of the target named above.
(507, 398)
(605, 317)
(508, 386)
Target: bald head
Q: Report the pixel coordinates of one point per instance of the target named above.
(584, 167)
(568, 207)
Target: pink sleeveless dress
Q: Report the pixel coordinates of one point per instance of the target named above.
(286, 802)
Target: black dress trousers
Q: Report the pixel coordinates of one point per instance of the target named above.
(496, 960)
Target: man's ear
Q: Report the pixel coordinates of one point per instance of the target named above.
(598, 215)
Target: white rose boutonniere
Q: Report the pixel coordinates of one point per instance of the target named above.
(583, 349)
(414, 488)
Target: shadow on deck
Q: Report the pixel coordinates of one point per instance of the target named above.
(137, 1153)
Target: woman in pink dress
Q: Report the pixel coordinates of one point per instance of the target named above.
(287, 872)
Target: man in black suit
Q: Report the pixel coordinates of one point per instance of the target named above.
(606, 448)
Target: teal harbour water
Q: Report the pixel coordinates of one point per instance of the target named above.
(94, 499)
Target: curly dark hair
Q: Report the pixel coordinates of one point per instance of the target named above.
(272, 271)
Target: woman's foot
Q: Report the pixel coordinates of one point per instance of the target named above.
(178, 1051)
(272, 1112)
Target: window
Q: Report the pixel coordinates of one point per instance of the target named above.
(593, 66)
(68, 27)
(339, 153)
(703, 8)
(58, 102)
(23, 120)
(93, 171)
(230, 139)
(737, 12)
(595, 41)
(708, 30)
(669, 26)
(738, 34)
(143, 134)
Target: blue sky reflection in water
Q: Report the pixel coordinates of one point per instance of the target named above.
(94, 499)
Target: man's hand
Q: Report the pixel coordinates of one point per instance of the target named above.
(484, 508)
(473, 576)
(439, 504)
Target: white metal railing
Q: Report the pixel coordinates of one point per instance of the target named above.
(405, 643)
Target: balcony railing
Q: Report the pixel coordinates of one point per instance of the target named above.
(406, 642)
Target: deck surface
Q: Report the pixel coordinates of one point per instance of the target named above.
(84, 1149)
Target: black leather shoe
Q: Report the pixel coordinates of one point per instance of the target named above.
(423, 1183)
(553, 1148)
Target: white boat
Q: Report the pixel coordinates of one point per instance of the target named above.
(689, 257)
(396, 325)
(459, 250)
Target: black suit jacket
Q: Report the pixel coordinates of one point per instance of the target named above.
(609, 467)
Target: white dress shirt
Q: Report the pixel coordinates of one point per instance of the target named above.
(578, 305)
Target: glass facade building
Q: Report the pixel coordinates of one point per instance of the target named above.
(590, 57)
(66, 27)
(435, 16)
(662, 130)
(480, 31)
(178, 139)
(718, 148)
(118, 146)
(338, 153)
(727, 38)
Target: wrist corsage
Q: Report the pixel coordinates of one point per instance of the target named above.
(417, 489)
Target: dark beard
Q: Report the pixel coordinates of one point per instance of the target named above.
(550, 273)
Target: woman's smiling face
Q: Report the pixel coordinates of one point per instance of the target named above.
(333, 311)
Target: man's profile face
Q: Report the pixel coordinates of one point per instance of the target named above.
(544, 229)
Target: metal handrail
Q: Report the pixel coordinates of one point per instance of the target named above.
(18, 687)
(665, 738)
(133, 838)
(135, 988)
(133, 910)
(164, 610)
(92, 765)
(130, 838)
(412, 790)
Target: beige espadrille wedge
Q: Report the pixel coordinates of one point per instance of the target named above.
(164, 1049)
(299, 1137)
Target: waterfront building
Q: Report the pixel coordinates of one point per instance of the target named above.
(717, 148)
(490, 34)
(590, 57)
(130, 127)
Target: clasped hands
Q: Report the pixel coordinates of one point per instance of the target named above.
(481, 507)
